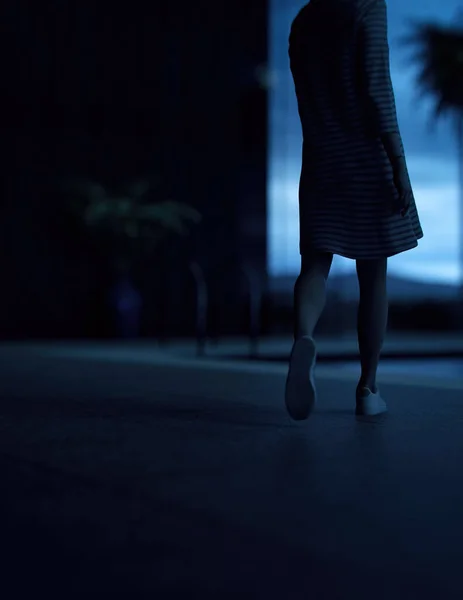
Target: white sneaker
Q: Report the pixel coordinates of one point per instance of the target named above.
(369, 404)
(300, 393)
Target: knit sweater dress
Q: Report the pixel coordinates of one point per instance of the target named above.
(339, 59)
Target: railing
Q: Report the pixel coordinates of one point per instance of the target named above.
(254, 296)
(255, 305)
(202, 306)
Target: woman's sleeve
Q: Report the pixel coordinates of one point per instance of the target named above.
(375, 70)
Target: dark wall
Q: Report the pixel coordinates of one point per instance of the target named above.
(116, 91)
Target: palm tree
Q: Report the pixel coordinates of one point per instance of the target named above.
(439, 57)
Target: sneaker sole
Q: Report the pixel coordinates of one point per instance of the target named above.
(300, 392)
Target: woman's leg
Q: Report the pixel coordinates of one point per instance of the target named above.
(310, 292)
(372, 317)
(309, 300)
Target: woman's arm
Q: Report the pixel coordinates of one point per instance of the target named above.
(376, 78)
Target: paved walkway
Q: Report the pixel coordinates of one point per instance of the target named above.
(332, 348)
(144, 475)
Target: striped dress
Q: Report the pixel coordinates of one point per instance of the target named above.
(339, 58)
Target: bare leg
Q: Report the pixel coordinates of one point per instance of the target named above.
(372, 317)
(310, 292)
(309, 301)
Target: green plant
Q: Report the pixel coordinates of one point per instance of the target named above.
(130, 220)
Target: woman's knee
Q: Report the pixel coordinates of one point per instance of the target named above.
(371, 270)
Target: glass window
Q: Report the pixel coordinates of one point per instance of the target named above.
(431, 155)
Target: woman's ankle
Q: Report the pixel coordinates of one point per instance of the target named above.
(362, 384)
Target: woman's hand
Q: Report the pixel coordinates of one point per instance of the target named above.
(403, 186)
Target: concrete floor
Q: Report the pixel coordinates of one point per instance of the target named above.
(146, 477)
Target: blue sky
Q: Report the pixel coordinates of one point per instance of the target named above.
(431, 152)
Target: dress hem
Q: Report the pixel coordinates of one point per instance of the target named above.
(338, 252)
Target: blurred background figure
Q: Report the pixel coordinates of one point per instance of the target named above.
(126, 304)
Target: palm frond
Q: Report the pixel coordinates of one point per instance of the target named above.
(438, 53)
(131, 215)
(168, 211)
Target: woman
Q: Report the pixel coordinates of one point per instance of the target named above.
(355, 196)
